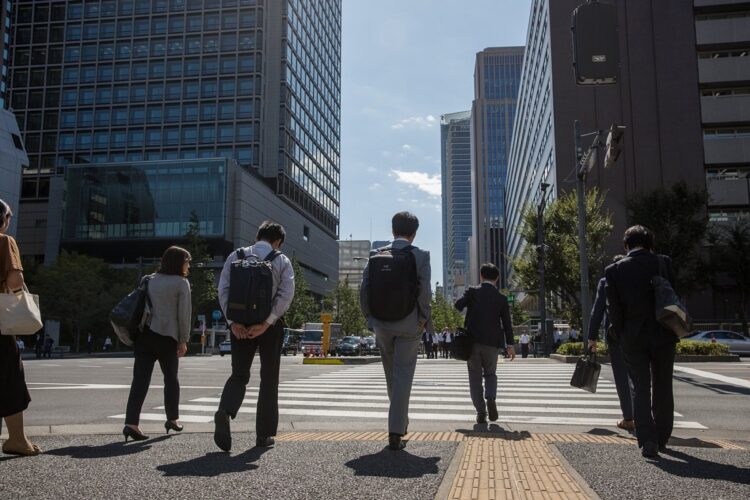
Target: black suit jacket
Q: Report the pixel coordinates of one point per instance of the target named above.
(630, 300)
(488, 315)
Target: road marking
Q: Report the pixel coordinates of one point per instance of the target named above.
(59, 386)
(571, 402)
(713, 376)
(199, 419)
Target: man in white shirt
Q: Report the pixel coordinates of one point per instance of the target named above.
(448, 341)
(524, 345)
(435, 344)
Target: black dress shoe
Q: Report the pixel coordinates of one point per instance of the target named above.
(171, 426)
(650, 449)
(481, 418)
(395, 442)
(264, 442)
(133, 434)
(222, 432)
(492, 410)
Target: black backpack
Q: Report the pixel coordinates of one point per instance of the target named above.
(393, 284)
(127, 316)
(250, 288)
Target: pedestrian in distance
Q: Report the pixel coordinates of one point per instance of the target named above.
(524, 340)
(435, 344)
(395, 296)
(107, 343)
(14, 395)
(448, 336)
(619, 370)
(21, 345)
(38, 345)
(489, 326)
(648, 348)
(264, 267)
(427, 342)
(48, 343)
(163, 338)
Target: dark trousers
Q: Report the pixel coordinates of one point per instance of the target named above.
(622, 380)
(428, 349)
(525, 350)
(151, 347)
(482, 364)
(243, 352)
(650, 369)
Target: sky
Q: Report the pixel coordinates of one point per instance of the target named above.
(405, 63)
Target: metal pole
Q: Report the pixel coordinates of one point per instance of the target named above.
(541, 255)
(582, 249)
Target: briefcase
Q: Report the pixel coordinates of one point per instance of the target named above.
(461, 345)
(586, 374)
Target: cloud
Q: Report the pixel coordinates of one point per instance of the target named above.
(374, 187)
(418, 122)
(407, 147)
(430, 184)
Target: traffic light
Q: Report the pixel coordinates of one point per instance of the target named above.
(614, 146)
(596, 48)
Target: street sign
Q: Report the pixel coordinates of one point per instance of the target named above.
(511, 299)
(202, 318)
(216, 315)
(326, 318)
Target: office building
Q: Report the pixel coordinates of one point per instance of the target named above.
(497, 75)
(455, 151)
(256, 82)
(353, 256)
(657, 98)
(12, 154)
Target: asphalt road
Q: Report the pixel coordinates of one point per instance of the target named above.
(533, 395)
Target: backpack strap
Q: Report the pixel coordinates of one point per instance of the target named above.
(240, 253)
(272, 255)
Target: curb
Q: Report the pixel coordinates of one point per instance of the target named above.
(341, 361)
(684, 358)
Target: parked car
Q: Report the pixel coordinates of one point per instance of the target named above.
(349, 346)
(371, 346)
(737, 343)
(225, 347)
(291, 344)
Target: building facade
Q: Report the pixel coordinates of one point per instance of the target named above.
(455, 151)
(497, 76)
(654, 99)
(122, 82)
(353, 256)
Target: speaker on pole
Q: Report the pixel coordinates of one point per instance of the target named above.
(596, 49)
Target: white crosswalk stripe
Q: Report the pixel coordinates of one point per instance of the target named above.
(528, 393)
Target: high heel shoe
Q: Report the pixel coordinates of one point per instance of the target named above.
(133, 434)
(171, 426)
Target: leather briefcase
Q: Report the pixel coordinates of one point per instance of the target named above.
(586, 374)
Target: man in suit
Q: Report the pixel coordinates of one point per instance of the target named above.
(647, 347)
(427, 341)
(487, 319)
(399, 339)
(619, 370)
(266, 337)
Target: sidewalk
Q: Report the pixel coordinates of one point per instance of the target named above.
(333, 465)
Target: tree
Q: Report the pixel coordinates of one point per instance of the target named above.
(444, 315)
(204, 292)
(732, 256)
(679, 220)
(562, 270)
(518, 314)
(303, 308)
(79, 292)
(344, 302)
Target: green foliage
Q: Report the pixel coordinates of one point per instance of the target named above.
(204, 292)
(576, 349)
(303, 308)
(678, 218)
(344, 302)
(731, 255)
(562, 265)
(518, 314)
(693, 347)
(79, 292)
(444, 314)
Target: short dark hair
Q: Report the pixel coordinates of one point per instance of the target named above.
(489, 271)
(638, 236)
(173, 260)
(270, 231)
(404, 224)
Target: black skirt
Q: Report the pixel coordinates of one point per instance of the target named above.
(14, 396)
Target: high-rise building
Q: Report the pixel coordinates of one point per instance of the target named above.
(353, 256)
(497, 75)
(12, 155)
(256, 82)
(455, 150)
(657, 97)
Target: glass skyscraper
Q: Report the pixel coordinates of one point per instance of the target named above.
(127, 81)
(496, 80)
(455, 138)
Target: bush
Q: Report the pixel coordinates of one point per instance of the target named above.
(692, 347)
(576, 349)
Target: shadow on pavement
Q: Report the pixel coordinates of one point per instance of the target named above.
(394, 464)
(214, 464)
(693, 467)
(494, 431)
(717, 388)
(108, 450)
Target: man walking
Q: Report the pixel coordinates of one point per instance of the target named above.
(647, 347)
(619, 371)
(488, 315)
(427, 342)
(266, 336)
(524, 345)
(448, 336)
(395, 297)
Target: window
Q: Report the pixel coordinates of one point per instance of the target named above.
(244, 132)
(173, 91)
(226, 111)
(245, 109)
(136, 138)
(118, 138)
(103, 95)
(306, 233)
(86, 96)
(189, 135)
(68, 119)
(138, 93)
(153, 137)
(207, 134)
(154, 115)
(101, 117)
(210, 66)
(172, 136)
(190, 112)
(208, 111)
(246, 64)
(228, 65)
(226, 133)
(101, 140)
(119, 116)
(137, 115)
(208, 88)
(85, 118)
(172, 113)
(192, 67)
(191, 90)
(155, 92)
(156, 70)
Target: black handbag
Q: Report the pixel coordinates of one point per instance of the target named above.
(586, 374)
(670, 310)
(461, 345)
(127, 316)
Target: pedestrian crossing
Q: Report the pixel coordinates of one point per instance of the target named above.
(529, 392)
